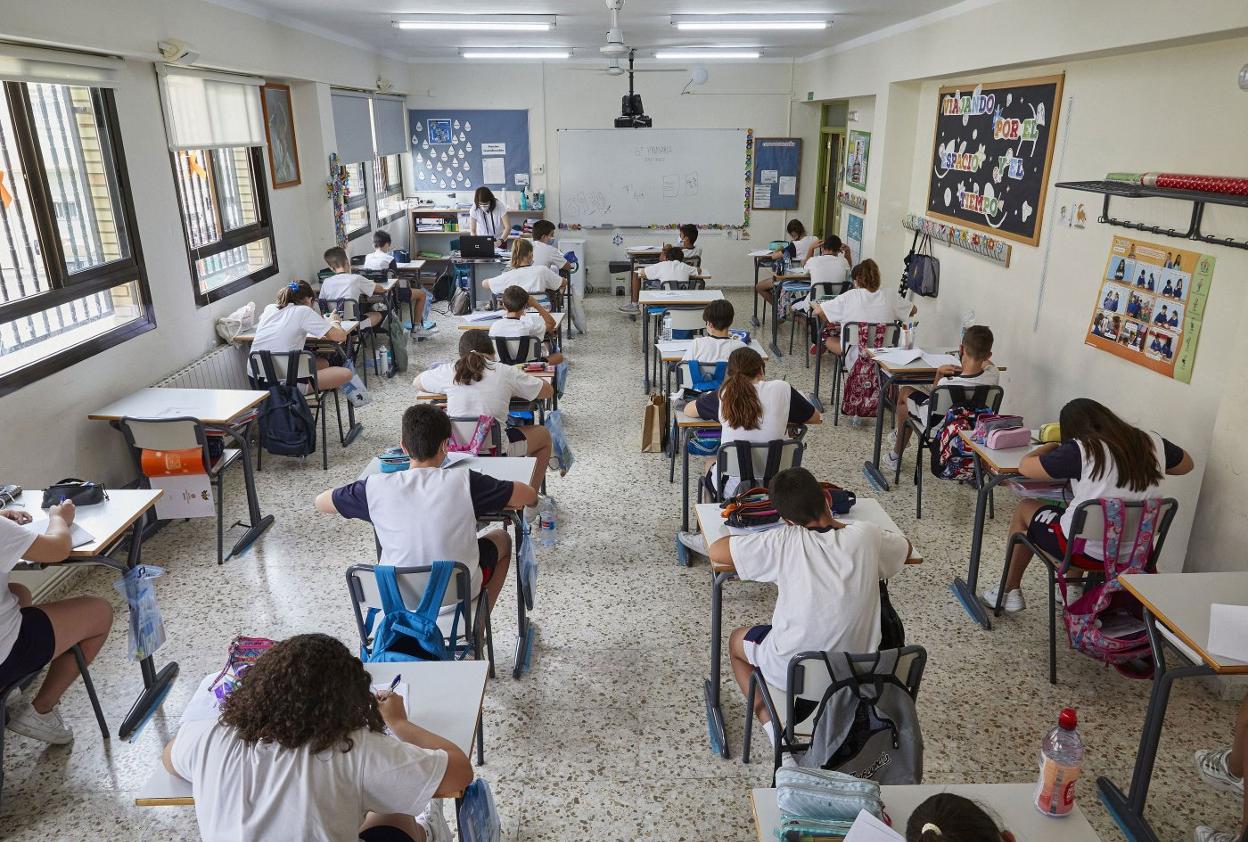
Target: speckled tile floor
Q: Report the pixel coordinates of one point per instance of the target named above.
(605, 738)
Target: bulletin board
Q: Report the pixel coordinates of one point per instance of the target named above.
(777, 173)
(1150, 305)
(991, 155)
(465, 148)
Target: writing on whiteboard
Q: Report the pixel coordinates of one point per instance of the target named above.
(588, 204)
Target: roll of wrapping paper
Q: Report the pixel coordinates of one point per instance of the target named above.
(1228, 185)
(168, 463)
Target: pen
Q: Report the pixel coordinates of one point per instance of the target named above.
(395, 682)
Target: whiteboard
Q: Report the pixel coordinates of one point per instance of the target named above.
(643, 177)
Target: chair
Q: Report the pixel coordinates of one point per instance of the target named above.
(702, 378)
(464, 427)
(942, 399)
(350, 309)
(819, 291)
(1087, 524)
(21, 683)
(686, 322)
(754, 463)
(182, 434)
(296, 368)
(473, 621)
(851, 334)
(692, 283)
(811, 682)
(514, 350)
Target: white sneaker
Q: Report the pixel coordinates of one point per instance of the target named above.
(787, 760)
(1211, 766)
(694, 541)
(892, 460)
(1208, 834)
(1014, 601)
(433, 823)
(46, 727)
(892, 440)
(630, 307)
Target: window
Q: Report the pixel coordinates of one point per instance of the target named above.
(388, 186)
(72, 282)
(355, 220)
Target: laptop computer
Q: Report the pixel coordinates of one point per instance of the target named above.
(470, 246)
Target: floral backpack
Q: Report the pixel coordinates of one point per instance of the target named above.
(953, 458)
(861, 396)
(485, 424)
(1106, 623)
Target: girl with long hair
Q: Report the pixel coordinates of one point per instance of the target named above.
(1102, 456)
(477, 384)
(299, 751)
(800, 248)
(866, 302)
(487, 216)
(533, 279)
(287, 325)
(947, 817)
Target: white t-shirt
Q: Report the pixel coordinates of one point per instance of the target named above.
(534, 279)
(828, 591)
(712, 349)
(691, 251)
(14, 542)
(288, 328)
(860, 305)
(775, 396)
(668, 270)
(378, 260)
(803, 246)
(346, 285)
(262, 792)
(491, 395)
(529, 324)
(828, 269)
(990, 376)
(544, 254)
(489, 224)
(1088, 488)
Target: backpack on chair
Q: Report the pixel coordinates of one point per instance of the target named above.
(404, 634)
(953, 458)
(287, 427)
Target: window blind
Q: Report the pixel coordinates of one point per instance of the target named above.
(210, 110)
(353, 126)
(389, 125)
(19, 63)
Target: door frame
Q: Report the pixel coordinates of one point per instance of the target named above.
(829, 183)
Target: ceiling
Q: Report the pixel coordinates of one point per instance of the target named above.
(582, 24)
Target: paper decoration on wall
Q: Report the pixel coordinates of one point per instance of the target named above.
(468, 182)
(337, 190)
(444, 155)
(857, 152)
(993, 248)
(857, 201)
(1150, 305)
(454, 140)
(469, 146)
(420, 127)
(424, 144)
(456, 125)
(461, 154)
(467, 126)
(459, 176)
(442, 183)
(463, 136)
(420, 175)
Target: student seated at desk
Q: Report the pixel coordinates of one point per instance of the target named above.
(532, 278)
(477, 384)
(428, 513)
(717, 344)
(866, 302)
(544, 251)
(299, 751)
(286, 326)
(348, 285)
(1102, 456)
(671, 267)
(801, 247)
(827, 576)
(520, 322)
(32, 636)
(380, 258)
(976, 370)
(1223, 770)
(947, 817)
(831, 264)
(689, 241)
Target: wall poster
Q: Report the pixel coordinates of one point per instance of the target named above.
(1150, 304)
(856, 152)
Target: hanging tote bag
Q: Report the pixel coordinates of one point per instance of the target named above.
(922, 275)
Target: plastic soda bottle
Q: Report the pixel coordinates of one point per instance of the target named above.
(1061, 762)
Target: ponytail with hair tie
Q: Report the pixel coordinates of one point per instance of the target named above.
(476, 352)
(295, 292)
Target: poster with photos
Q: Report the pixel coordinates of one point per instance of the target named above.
(1150, 304)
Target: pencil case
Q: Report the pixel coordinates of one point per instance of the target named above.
(825, 795)
(1000, 439)
(393, 460)
(1050, 432)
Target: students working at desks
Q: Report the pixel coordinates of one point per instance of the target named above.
(477, 384)
(544, 251)
(1102, 456)
(286, 326)
(31, 636)
(671, 267)
(486, 218)
(380, 259)
(519, 322)
(866, 302)
(831, 264)
(299, 751)
(827, 575)
(688, 241)
(976, 370)
(1223, 769)
(345, 285)
(427, 513)
(717, 344)
(801, 247)
(535, 279)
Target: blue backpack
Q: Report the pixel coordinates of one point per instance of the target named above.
(287, 427)
(403, 634)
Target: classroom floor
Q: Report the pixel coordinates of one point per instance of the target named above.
(605, 739)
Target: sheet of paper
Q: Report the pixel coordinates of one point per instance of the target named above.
(788, 185)
(521, 179)
(404, 690)
(455, 457)
(1228, 630)
(187, 495)
(40, 522)
(493, 171)
(415, 264)
(768, 176)
(203, 704)
(762, 195)
(760, 253)
(937, 360)
(483, 316)
(867, 828)
(898, 356)
(493, 149)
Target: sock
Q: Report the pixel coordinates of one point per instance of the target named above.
(770, 729)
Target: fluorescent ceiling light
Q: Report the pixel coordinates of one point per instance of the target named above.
(699, 55)
(749, 23)
(479, 23)
(546, 55)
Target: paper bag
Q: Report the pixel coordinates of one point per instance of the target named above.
(652, 426)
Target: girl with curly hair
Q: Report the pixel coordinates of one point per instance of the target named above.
(300, 752)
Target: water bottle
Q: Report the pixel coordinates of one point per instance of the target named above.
(667, 327)
(548, 532)
(1061, 761)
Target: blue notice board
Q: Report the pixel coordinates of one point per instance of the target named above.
(461, 148)
(777, 172)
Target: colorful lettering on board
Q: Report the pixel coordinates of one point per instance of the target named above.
(980, 203)
(958, 104)
(962, 161)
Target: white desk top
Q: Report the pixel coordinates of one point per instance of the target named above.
(502, 468)
(210, 406)
(1000, 460)
(106, 522)
(679, 296)
(1180, 602)
(446, 699)
(349, 326)
(866, 509)
(410, 266)
(1010, 802)
(673, 350)
(484, 324)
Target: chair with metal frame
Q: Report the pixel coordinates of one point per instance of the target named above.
(464, 429)
(1087, 524)
(754, 463)
(819, 291)
(275, 366)
(892, 334)
(514, 350)
(700, 382)
(927, 429)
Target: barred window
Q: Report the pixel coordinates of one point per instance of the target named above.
(388, 187)
(356, 217)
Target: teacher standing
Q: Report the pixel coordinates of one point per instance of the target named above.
(487, 216)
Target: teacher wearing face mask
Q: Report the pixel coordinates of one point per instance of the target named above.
(487, 216)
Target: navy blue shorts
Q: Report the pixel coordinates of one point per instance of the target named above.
(36, 641)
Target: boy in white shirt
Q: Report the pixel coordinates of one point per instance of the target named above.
(827, 575)
(718, 343)
(347, 285)
(544, 251)
(519, 322)
(830, 265)
(688, 241)
(976, 370)
(532, 278)
(381, 257)
(671, 267)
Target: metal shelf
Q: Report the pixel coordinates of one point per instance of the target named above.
(1198, 198)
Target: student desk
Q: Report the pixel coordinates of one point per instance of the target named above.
(447, 698)
(641, 256)
(472, 263)
(1012, 803)
(348, 326)
(466, 323)
(109, 523)
(1176, 614)
(713, 528)
(517, 404)
(217, 409)
(662, 300)
(408, 276)
(992, 467)
(507, 469)
(760, 257)
(794, 277)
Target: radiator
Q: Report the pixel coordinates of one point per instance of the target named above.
(221, 368)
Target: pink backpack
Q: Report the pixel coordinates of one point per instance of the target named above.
(484, 424)
(861, 394)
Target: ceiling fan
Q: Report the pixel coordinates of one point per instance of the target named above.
(616, 51)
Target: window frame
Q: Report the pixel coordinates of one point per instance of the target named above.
(64, 287)
(234, 238)
(381, 171)
(360, 200)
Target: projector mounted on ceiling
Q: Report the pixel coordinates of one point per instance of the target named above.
(632, 113)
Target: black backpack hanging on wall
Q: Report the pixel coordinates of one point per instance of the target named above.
(922, 274)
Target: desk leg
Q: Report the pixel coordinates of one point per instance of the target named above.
(872, 468)
(775, 322)
(354, 427)
(965, 591)
(645, 351)
(714, 714)
(526, 632)
(684, 480)
(817, 340)
(257, 522)
(754, 318)
(472, 287)
(156, 683)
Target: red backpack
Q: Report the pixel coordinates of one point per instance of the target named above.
(953, 457)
